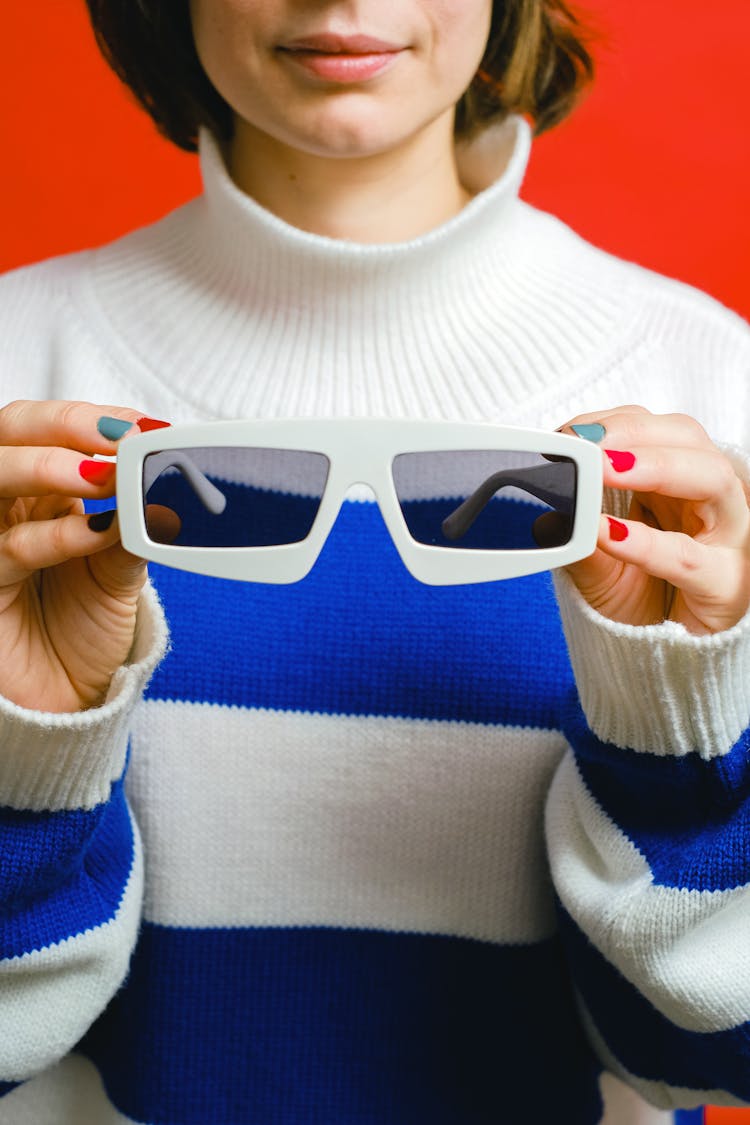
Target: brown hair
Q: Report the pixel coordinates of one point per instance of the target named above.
(536, 63)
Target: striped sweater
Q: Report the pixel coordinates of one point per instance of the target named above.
(359, 851)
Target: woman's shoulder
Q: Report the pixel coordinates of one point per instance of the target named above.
(51, 317)
(53, 276)
(33, 300)
(658, 305)
(36, 284)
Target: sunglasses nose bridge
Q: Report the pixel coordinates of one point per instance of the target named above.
(358, 469)
(360, 463)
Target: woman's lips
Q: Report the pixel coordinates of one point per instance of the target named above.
(336, 58)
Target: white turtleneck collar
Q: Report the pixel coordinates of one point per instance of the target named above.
(240, 232)
(233, 312)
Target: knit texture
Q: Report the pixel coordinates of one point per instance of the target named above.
(358, 851)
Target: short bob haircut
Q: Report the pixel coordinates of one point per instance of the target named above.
(536, 64)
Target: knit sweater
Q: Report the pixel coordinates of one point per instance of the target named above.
(359, 851)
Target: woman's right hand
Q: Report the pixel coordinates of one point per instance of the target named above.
(68, 591)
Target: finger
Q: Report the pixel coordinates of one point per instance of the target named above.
(714, 575)
(705, 477)
(117, 571)
(596, 418)
(52, 507)
(629, 426)
(13, 511)
(51, 470)
(34, 545)
(82, 426)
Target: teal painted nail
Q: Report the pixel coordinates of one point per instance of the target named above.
(113, 428)
(592, 431)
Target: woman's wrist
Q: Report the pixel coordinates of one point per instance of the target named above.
(70, 759)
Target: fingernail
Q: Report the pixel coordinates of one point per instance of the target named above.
(617, 531)
(97, 472)
(144, 424)
(620, 460)
(113, 428)
(590, 431)
(100, 521)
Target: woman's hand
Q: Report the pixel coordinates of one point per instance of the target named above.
(683, 553)
(68, 590)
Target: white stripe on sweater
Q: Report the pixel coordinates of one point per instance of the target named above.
(277, 818)
(62, 988)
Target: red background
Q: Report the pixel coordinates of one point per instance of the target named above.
(654, 166)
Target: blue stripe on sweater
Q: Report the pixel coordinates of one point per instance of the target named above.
(647, 1044)
(61, 873)
(342, 1027)
(689, 818)
(360, 636)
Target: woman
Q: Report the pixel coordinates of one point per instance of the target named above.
(352, 909)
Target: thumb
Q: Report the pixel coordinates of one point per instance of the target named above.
(116, 570)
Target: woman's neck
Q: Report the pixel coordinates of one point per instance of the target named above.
(392, 196)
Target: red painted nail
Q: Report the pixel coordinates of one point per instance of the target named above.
(620, 460)
(97, 472)
(617, 531)
(144, 424)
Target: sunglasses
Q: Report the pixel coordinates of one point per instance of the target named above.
(256, 500)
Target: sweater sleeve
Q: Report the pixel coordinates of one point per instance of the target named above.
(70, 863)
(648, 833)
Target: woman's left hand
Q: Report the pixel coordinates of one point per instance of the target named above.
(683, 553)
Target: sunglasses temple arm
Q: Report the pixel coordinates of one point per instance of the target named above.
(542, 481)
(212, 499)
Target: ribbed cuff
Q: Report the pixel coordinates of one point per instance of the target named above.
(657, 688)
(69, 761)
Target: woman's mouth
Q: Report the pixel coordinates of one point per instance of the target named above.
(341, 58)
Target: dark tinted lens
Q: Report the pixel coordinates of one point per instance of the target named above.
(232, 497)
(486, 499)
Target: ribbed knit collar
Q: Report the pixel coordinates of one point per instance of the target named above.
(244, 240)
(223, 310)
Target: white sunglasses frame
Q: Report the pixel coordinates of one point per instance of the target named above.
(359, 451)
